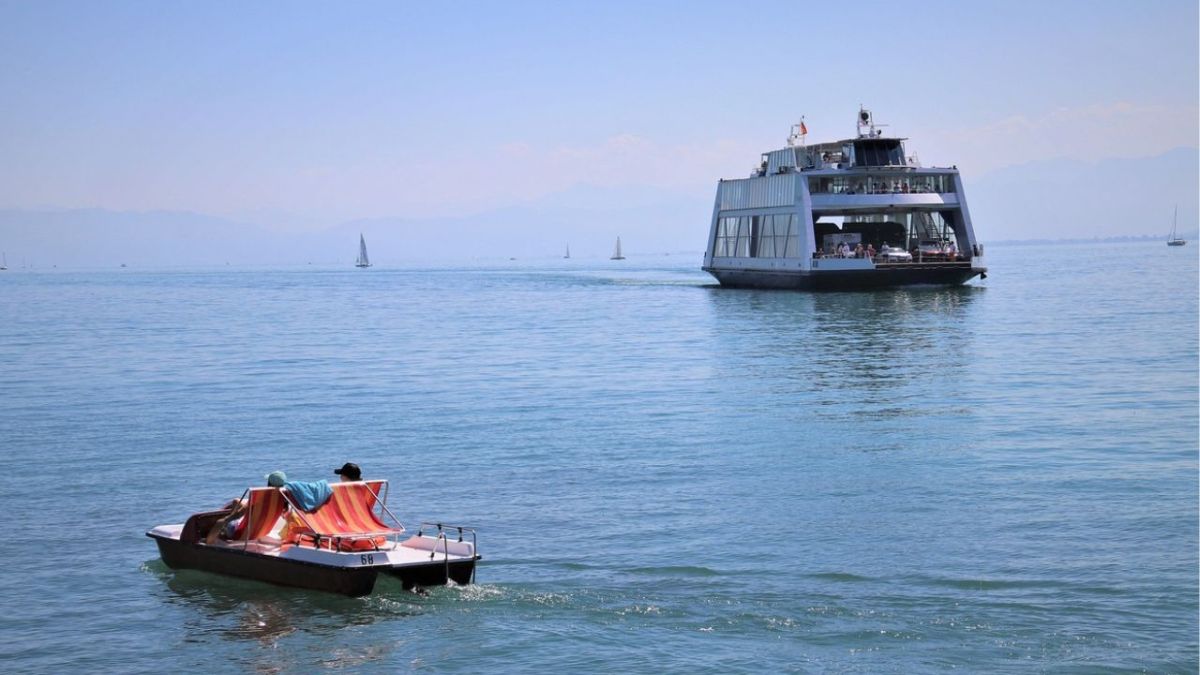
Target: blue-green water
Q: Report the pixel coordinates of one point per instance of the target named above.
(666, 475)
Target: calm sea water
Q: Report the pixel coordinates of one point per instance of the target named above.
(666, 475)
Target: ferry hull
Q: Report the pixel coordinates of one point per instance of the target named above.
(351, 581)
(848, 280)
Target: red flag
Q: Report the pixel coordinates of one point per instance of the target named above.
(803, 129)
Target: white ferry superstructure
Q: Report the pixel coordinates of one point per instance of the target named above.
(851, 214)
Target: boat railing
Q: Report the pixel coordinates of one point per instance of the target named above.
(381, 501)
(442, 531)
(917, 256)
(884, 258)
(245, 499)
(462, 530)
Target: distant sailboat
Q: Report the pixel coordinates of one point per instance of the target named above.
(617, 251)
(3, 262)
(363, 260)
(1174, 239)
(568, 253)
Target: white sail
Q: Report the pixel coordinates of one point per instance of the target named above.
(617, 251)
(1174, 239)
(568, 253)
(363, 260)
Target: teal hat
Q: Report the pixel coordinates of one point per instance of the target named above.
(276, 479)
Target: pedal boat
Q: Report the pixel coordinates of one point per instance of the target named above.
(342, 547)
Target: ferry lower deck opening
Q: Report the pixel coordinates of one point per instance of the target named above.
(927, 236)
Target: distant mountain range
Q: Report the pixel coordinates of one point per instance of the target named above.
(1073, 199)
(1044, 200)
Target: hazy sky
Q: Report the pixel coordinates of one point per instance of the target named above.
(347, 110)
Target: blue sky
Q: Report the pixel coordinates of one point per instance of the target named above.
(299, 114)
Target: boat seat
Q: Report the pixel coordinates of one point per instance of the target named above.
(374, 492)
(347, 521)
(263, 509)
(198, 525)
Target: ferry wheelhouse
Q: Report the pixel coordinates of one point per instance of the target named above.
(852, 214)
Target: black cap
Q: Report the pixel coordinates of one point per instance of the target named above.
(349, 470)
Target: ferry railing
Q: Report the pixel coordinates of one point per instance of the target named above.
(959, 260)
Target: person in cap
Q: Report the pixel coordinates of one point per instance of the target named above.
(349, 472)
(227, 527)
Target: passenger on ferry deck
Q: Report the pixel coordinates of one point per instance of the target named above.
(858, 250)
(871, 251)
(952, 251)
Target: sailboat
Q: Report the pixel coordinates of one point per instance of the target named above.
(617, 251)
(568, 253)
(3, 262)
(363, 260)
(1174, 239)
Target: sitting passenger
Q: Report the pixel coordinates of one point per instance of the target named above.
(231, 525)
(858, 250)
(226, 527)
(307, 495)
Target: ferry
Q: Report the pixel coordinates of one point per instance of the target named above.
(853, 214)
(340, 547)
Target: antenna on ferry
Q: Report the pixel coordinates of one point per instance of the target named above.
(864, 120)
(799, 132)
(867, 120)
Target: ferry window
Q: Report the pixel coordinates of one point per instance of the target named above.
(766, 239)
(768, 236)
(726, 237)
(781, 233)
(743, 240)
(792, 247)
(878, 153)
